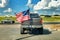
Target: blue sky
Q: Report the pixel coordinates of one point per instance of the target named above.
(16, 6)
(45, 7)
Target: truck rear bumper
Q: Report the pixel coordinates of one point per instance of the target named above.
(31, 26)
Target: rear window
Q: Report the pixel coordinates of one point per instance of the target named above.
(34, 15)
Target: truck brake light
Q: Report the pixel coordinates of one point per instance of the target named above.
(41, 21)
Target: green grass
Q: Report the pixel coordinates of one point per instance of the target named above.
(3, 18)
(51, 19)
(47, 19)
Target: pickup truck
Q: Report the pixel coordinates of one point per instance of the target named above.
(34, 23)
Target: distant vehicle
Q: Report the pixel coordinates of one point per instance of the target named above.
(34, 23)
(7, 20)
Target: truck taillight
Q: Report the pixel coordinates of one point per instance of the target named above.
(41, 21)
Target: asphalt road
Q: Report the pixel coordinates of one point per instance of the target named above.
(12, 32)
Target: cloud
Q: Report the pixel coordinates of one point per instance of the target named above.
(47, 4)
(3, 3)
(8, 10)
(48, 7)
(35, 11)
(42, 4)
(29, 2)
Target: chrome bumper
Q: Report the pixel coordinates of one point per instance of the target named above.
(31, 26)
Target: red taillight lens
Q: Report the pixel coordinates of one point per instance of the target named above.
(41, 21)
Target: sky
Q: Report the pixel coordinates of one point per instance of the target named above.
(14, 6)
(45, 7)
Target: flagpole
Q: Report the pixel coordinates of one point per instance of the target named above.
(30, 25)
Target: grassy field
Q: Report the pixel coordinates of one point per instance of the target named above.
(3, 18)
(51, 19)
(45, 19)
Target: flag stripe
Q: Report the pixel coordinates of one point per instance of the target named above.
(23, 16)
(26, 17)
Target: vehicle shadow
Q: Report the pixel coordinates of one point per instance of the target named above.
(35, 33)
(46, 32)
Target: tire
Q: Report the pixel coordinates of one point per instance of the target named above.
(40, 30)
(22, 31)
(13, 22)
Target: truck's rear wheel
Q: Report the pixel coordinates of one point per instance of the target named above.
(22, 31)
(40, 30)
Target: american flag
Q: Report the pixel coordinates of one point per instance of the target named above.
(23, 16)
